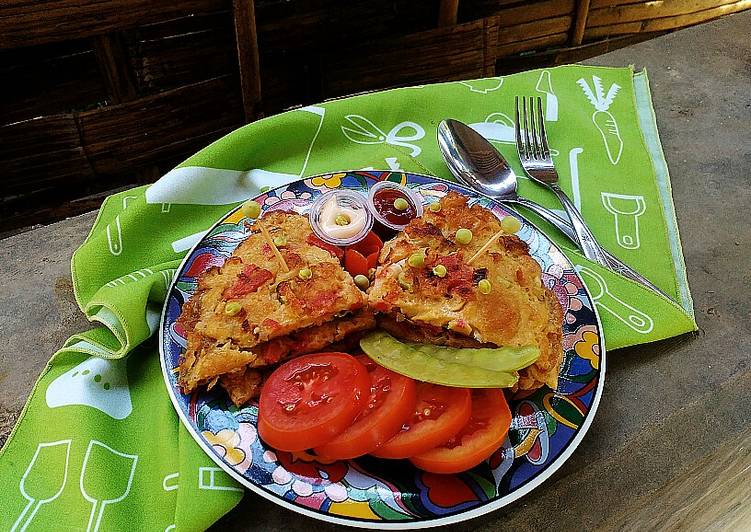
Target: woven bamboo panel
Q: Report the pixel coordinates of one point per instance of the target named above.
(102, 94)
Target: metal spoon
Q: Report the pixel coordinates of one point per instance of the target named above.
(476, 163)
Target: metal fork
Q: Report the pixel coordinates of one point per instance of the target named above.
(534, 153)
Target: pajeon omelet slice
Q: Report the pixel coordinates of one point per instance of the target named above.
(440, 301)
(267, 303)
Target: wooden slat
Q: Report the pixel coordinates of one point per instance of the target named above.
(183, 51)
(113, 59)
(531, 12)
(145, 130)
(470, 10)
(247, 54)
(289, 80)
(11, 219)
(32, 22)
(654, 10)
(323, 25)
(594, 4)
(532, 44)
(447, 12)
(459, 52)
(600, 32)
(41, 151)
(565, 55)
(490, 40)
(48, 80)
(532, 30)
(582, 13)
(665, 23)
(69, 151)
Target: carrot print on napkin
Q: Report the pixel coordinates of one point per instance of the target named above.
(602, 118)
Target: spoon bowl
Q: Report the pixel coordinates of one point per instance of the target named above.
(474, 161)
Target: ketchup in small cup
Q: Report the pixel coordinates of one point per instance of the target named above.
(393, 205)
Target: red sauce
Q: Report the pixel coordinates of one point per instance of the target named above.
(384, 199)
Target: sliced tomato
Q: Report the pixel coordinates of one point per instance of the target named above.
(480, 437)
(249, 280)
(368, 245)
(335, 251)
(440, 412)
(307, 401)
(361, 256)
(390, 404)
(355, 263)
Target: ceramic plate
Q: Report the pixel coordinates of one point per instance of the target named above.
(369, 492)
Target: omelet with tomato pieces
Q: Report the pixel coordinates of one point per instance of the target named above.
(282, 293)
(440, 301)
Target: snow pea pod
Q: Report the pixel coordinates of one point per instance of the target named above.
(467, 367)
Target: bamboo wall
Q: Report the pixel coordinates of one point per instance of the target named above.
(102, 94)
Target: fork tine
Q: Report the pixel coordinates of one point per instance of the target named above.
(543, 134)
(535, 147)
(527, 144)
(517, 130)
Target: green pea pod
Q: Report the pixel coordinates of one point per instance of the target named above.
(417, 361)
(492, 358)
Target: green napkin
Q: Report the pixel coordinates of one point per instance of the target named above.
(99, 446)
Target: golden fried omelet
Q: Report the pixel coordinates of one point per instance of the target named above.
(253, 312)
(417, 305)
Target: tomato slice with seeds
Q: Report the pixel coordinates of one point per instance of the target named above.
(309, 400)
(390, 404)
(481, 436)
(440, 412)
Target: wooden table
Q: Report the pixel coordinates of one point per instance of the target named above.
(671, 444)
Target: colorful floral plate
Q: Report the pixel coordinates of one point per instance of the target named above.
(369, 492)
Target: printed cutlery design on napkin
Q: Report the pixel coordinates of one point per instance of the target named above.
(483, 86)
(551, 100)
(499, 127)
(43, 465)
(99, 490)
(606, 300)
(626, 211)
(95, 382)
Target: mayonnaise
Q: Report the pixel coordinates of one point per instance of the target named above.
(351, 221)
